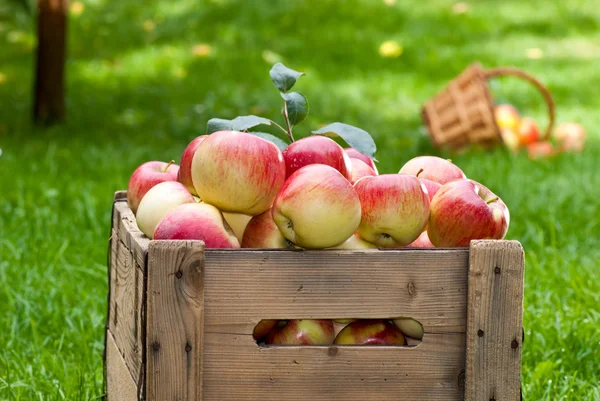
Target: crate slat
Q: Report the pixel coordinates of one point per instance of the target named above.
(120, 385)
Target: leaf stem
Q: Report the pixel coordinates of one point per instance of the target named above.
(287, 121)
(280, 127)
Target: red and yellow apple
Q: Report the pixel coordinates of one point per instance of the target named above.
(263, 328)
(355, 154)
(511, 139)
(570, 137)
(360, 170)
(528, 131)
(262, 232)
(238, 223)
(355, 242)
(507, 116)
(421, 242)
(410, 327)
(145, 177)
(395, 209)
(158, 201)
(317, 207)
(196, 221)
(238, 172)
(370, 332)
(434, 169)
(540, 150)
(302, 332)
(185, 165)
(466, 210)
(316, 149)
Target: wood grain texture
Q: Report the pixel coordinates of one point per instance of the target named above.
(175, 324)
(125, 313)
(235, 368)
(120, 384)
(244, 286)
(495, 321)
(129, 233)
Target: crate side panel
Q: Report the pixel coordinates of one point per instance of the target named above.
(126, 306)
(128, 232)
(120, 384)
(243, 287)
(235, 368)
(495, 321)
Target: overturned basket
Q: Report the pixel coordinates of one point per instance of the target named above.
(463, 113)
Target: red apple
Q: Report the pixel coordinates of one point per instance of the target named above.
(263, 328)
(185, 165)
(421, 242)
(262, 232)
(432, 187)
(434, 169)
(238, 172)
(570, 137)
(196, 221)
(528, 131)
(317, 207)
(316, 149)
(395, 209)
(302, 332)
(507, 116)
(370, 332)
(410, 327)
(465, 210)
(355, 154)
(158, 201)
(360, 170)
(145, 177)
(540, 150)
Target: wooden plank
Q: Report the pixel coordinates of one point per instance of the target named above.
(126, 288)
(494, 329)
(129, 233)
(120, 384)
(235, 368)
(175, 324)
(244, 286)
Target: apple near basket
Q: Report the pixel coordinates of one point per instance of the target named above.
(462, 114)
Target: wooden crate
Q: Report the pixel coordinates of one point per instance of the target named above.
(180, 321)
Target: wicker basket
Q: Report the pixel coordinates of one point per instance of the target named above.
(463, 113)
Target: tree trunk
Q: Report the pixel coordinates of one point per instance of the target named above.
(49, 102)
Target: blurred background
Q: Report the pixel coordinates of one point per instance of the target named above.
(141, 79)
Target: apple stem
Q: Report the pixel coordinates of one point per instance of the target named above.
(168, 165)
(287, 122)
(420, 171)
(495, 198)
(450, 160)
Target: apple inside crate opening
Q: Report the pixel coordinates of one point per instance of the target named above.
(181, 320)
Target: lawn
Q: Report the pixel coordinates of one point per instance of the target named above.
(141, 86)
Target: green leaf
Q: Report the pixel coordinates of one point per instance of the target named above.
(283, 77)
(242, 123)
(297, 107)
(271, 138)
(357, 138)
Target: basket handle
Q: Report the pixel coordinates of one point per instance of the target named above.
(495, 72)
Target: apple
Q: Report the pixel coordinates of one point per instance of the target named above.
(302, 332)
(355, 154)
(511, 139)
(370, 332)
(528, 131)
(237, 222)
(570, 136)
(410, 327)
(421, 242)
(145, 177)
(434, 169)
(316, 149)
(507, 116)
(344, 321)
(196, 221)
(360, 170)
(185, 165)
(263, 328)
(355, 242)
(432, 187)
(238, 172)
(395, 209)
(262, 232)
(465, 210)
(159, 200)
(540, 150)
(317, 207)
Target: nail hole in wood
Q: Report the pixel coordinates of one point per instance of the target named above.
(492, 399)
(155, 346)
(497, 270)
(480, 333)
(179, 274)
(514, 344)
(188, 347)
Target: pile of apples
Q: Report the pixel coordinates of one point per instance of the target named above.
(518, 133)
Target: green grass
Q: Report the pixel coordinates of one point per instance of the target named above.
(135, 95)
